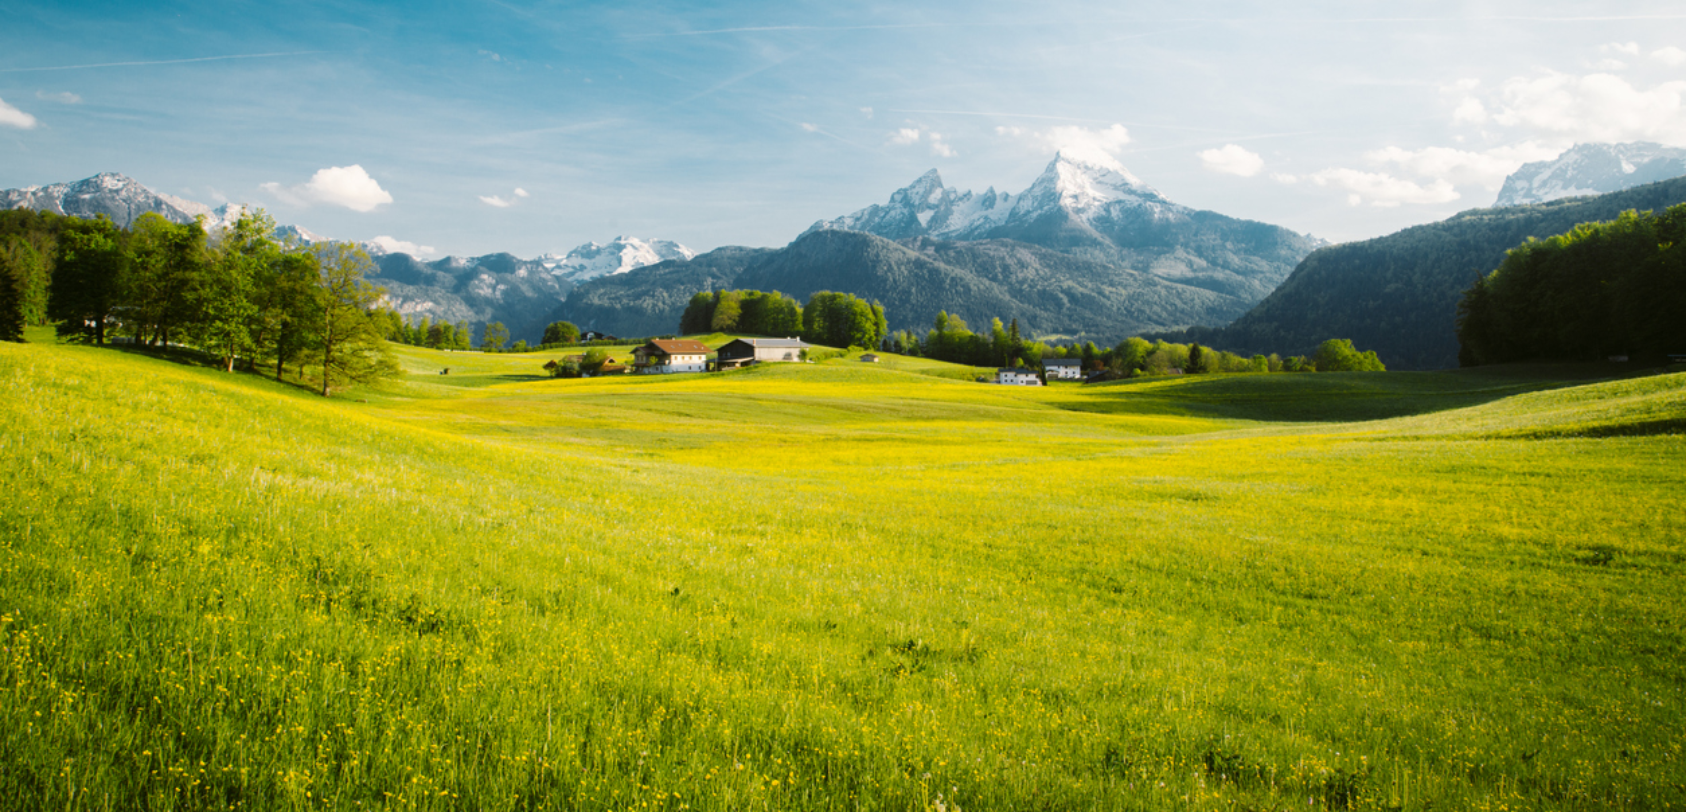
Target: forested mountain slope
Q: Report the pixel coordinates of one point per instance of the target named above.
(1048, 291)
(1398, 294)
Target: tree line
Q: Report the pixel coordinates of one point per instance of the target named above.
(1602, 288)
(950, 339)
(830, 319)
(235, 294)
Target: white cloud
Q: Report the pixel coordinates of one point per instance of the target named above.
(62, 98)
(1284, 178)
(347, 186)
(13, 117)
(940, 147)
(905, 136)
(813, 128)
(1232, 159)
(1384, 190)
(866, 111)
(1631, 48)
(1595, 107)
(499, 202)
(1608, 64)
(1670, 56)
(1470, 111)
(1098, 147)
(391, 245)
(1488, 168)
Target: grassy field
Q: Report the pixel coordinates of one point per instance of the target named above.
(837, 586)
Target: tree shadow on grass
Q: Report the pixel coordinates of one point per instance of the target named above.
(199, 359)
(1341, 397)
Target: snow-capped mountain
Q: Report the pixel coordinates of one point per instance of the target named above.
(622, 254)
(1086, 192)
(1100, 213)
(1592, 169)
(120, 198)
(124, 200)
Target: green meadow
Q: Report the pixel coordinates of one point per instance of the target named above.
(838, 586)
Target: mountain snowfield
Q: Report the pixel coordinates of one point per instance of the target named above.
(1090, 192)
(1592, 169)
(622, 254)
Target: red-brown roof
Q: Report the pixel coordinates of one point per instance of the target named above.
(680, 346)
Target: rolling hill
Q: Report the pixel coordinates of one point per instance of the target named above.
(1398, 294)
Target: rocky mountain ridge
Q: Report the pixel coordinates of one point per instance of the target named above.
(1592, 169)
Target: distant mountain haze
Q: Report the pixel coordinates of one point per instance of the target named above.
(1398, 294)
(1086, 250)
(496, 287)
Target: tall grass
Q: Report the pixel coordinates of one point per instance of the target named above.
(833, 586)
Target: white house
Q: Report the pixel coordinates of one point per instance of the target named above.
(1017, 377)
(663, 356)
(1065, 369)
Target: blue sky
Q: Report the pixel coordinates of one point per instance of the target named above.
(744, 122)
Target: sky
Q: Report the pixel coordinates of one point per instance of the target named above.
(469, 128)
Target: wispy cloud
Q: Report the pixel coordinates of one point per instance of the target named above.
(1383, 190)
(347, 186)
(61, 98)
(1232, 159)
(1594, 107)
(13, 117)
(1486, 168)
(391, 245)
(159, 62)
(1095, 146)
(499, 202)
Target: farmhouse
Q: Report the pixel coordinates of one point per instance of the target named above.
(745, 351)
(665, 356)
(1018, 376)
(1065, 369)
(869, 358)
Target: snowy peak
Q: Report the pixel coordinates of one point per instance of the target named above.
(622, 254)
(1069, 187)
(1080, 186)
(116, 196)
(1591, 169)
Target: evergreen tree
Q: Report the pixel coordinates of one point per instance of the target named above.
(1197, 360)
(698, 315)
(11, 305)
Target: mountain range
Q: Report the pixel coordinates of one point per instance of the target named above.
(1398, 294)
(1086, 250)
(496, 287)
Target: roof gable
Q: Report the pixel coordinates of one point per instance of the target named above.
(679, 346)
